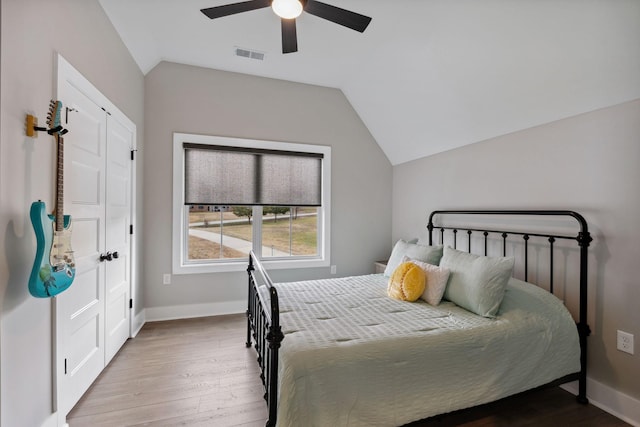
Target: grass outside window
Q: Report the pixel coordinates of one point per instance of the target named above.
(295, 235)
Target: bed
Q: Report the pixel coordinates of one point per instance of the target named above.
(340, 352)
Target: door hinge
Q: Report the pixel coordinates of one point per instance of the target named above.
(66, 114)
(133, 154)
(65, 366)
(131, 229)
(130, 302)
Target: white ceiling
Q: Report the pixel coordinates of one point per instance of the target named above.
(427, 75)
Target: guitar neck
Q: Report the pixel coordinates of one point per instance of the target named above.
(60, 184)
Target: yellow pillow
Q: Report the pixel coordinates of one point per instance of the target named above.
(407, 282)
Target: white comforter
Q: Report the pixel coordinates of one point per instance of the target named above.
(351, 356)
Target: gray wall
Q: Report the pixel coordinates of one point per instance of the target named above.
(588, 163)
(181, 98)
(32, 32)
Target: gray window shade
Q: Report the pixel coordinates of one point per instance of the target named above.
(218, 175)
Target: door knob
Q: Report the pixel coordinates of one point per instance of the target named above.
(115, 255)
(106, 257)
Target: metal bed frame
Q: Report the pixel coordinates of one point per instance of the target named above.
(263, 315)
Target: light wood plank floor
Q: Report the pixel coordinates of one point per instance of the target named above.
(197, 372)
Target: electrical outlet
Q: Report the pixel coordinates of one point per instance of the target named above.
(166, 279)
(334, 269)
(625, 342)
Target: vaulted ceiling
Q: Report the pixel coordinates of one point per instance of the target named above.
(427, 75)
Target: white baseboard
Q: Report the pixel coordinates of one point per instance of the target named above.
(138, 323)
(195, 310)
(55, 421)
(616, 403)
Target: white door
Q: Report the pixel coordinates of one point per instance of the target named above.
(118, 209)
(92, 315)
(80, 309)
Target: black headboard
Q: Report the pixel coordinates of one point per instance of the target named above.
(583, 239)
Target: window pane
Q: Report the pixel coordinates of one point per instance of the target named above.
(219, 232)
(288, 232)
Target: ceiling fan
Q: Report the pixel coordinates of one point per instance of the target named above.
(288, 11)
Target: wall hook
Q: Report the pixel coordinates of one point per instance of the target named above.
(32, 127)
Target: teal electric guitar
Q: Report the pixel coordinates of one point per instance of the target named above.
(54, 267)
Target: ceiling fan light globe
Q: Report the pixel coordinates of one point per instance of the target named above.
(287, 9)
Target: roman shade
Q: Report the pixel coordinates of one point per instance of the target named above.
(226, 175)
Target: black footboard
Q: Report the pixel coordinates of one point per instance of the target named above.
(263, 324)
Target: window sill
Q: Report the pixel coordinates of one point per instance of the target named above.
(225, 267)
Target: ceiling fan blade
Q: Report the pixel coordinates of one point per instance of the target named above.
(344, 17)
(289, 37)
(233, 8)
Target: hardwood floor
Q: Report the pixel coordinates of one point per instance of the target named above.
(197, 372)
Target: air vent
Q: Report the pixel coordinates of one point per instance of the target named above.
(251, 54)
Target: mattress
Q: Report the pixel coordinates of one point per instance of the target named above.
(352, 356)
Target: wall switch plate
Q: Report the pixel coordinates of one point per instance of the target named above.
(334, 269)
(166, 279)
(625, 342)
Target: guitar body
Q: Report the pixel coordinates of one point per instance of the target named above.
(54, 267)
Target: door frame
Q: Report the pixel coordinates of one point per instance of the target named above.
(65, 72)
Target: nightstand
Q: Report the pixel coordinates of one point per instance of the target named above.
(380, 266)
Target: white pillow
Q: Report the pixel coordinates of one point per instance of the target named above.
(436, 282)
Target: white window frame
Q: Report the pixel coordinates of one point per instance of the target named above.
(180, 228)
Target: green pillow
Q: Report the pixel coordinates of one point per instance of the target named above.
(476, 283)
(428, 254)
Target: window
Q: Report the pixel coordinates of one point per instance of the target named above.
(236, 195)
